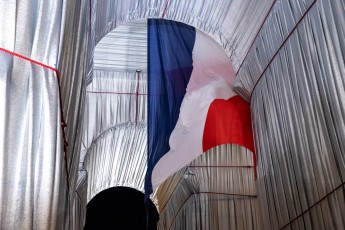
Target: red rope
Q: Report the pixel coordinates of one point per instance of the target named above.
(63, 122)
(227, 194)
(282, 45)
(313, 205)
(166, 6)
(137, 100)
(28, 59)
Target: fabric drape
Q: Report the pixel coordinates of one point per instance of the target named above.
(40, 42)
(117, 158)
(227, 22)
(33, 179)
(114, 142)
(298, 115)
(170, 65)
(215, 191)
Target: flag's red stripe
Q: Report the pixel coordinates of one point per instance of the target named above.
(229, 122)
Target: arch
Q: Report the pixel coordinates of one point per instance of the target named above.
(192, 190)
(106, 98)
(111, 128)
(216, 32)
(220, 19)
(89, 165)
(104, 167)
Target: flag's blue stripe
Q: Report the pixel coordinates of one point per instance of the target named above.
(170, 64)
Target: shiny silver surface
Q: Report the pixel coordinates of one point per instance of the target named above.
(298, 118)
(296, 66)
(232, 23)
(216, 191)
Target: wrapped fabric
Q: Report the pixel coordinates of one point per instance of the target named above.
(117, 158)
(113, 98)
(298, 109)
(280, 22)
(233, 24)
(33, 180)
(215, 191)
(38, 45)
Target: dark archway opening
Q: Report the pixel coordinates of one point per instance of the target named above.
(119, 208)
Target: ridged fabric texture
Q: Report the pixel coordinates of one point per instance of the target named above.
(293, 77)
(233, 24)
(37, 177)
(296, 84)
(215, 191)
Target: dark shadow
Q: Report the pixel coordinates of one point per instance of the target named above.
(119, 208)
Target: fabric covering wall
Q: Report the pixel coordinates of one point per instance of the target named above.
(36, 173)
(293, 76)
(296, 84)
(215, 191)
(114, 140)
(227, 21)
(220, 19)
(30, 109)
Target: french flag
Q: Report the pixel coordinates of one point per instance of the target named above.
(191, 104)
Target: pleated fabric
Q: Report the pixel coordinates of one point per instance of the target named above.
(114, 141)
(41, 80)
(297, 90)
(215, 191)
(293, 77)
(33, 179)
(233, 24)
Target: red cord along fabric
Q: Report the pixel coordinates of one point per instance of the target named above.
(63, 122)
(282, 45)
(257, 34)
(165, 9)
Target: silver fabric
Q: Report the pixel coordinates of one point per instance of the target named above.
(298, 114)
(232, 23)
(282, 19)
(23, 30)
(34, 188)
(32, 170)
(73, 66)
(299, 123)
(79, 205)
(117, 158)
(113, 150)
(216, 191)
(114, 143)
(32, 175)
(112, 99)
(123, 49)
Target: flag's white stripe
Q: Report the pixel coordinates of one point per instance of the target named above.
(211, 78)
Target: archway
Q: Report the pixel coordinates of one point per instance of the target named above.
(119, 97)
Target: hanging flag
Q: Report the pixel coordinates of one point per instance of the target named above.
(191, 104)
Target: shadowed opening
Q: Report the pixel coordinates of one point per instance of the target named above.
(119, 208)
